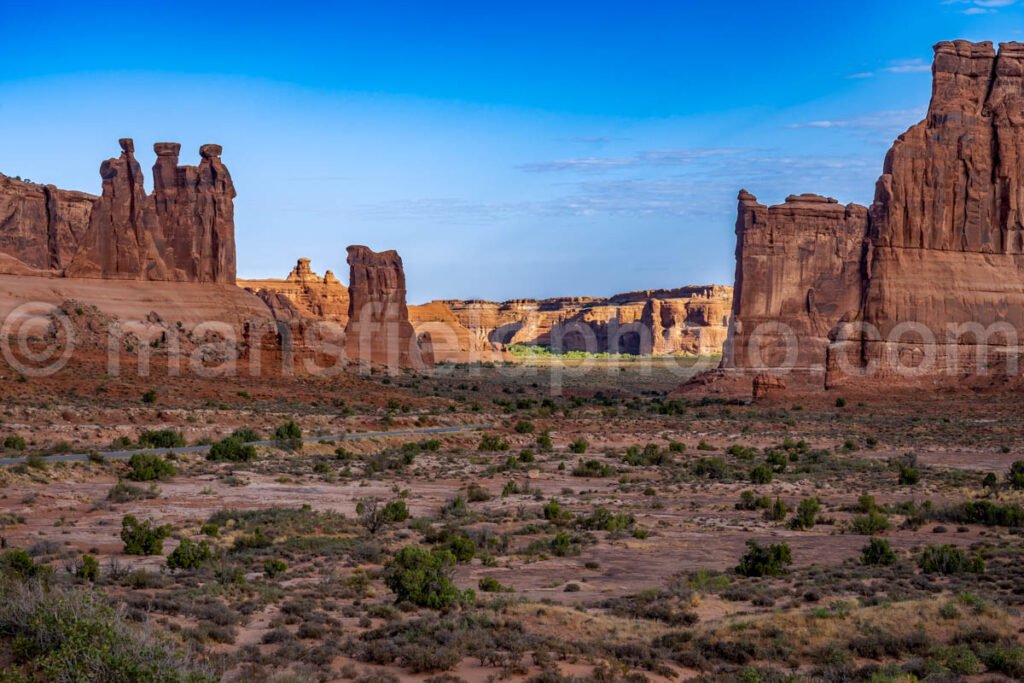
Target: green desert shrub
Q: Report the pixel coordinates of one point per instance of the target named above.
(88, 569)
(489, 584)
(289, 431)
(806, 514)
(877, 552)
(762, 474)
(984, 512)
(874, 522)
(65, 634)
(189, 555)
(274, 567)
(1015, 477)
(761, 560)
(143, 537)
(232, 449)
(947, 559)
(492, 442)
(17, 563)
(149, 467)
(245, 434)
(161, 438)
(591, 468)
(579, 446)
(524, 427)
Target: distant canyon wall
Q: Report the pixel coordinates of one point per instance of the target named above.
(182, 232)
(929, 278)
(687, 320)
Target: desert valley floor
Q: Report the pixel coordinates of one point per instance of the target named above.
(600, 528)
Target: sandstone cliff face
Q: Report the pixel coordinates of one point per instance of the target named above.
(378, 329)
(947, 209)
(40, 226)
(183, 232)
(687, 320)
(799, 264)
(940, 249)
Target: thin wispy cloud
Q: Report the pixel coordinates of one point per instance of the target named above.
(981, 6)
(590, 139)
(702, 190)
(908, 66)
(647, 158)
(883, 120)
(898, 66)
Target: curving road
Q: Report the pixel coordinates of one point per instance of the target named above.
(81, 457)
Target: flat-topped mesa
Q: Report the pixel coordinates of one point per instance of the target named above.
(378, 329)
(183, 231)
(797, 273)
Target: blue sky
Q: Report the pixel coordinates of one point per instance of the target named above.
(505, 149)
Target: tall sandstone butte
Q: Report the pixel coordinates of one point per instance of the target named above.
(940, 250)
(378, 329)
(184, 231)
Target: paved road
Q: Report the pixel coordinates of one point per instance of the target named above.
(81, 457)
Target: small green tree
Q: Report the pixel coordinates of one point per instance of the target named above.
(759, 560)
(424, 577)
(15, 443)
(142, 537)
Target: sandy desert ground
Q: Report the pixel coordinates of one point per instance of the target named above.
(593, 533)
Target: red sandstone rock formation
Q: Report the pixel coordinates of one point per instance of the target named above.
(183, 232)
(798, 264)
(378, 329)
(303, 294)
(941, 248)
(40, 226)
(946, 224)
